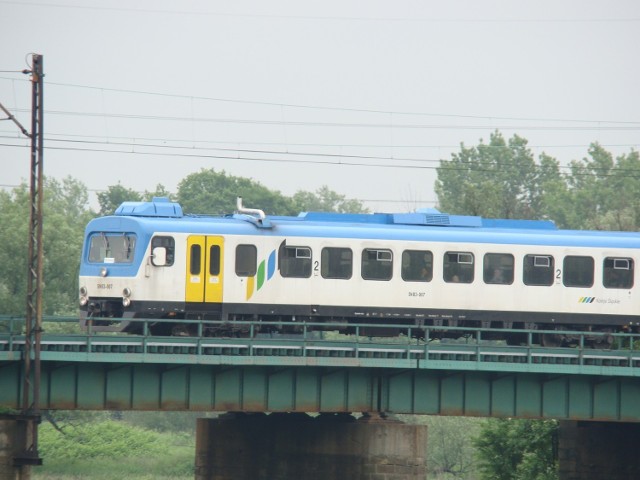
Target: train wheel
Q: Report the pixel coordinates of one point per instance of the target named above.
(516, 339)
(603, 342)
(552, 340)
(182, 331)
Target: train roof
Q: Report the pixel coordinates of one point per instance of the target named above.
(161, 207)
(161, 215)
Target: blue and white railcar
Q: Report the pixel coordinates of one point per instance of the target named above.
(149, 260)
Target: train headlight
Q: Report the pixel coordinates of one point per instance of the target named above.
(84, 299)
(104, 272)
(126, 297)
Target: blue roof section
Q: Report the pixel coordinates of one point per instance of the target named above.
(426, 218)
(327, 217)
(519, 224)
(436, 219)
(158, 207)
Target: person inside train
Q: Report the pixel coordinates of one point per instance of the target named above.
(425, 272)
(497, 276)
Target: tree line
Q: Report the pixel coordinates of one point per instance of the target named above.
(502, 179)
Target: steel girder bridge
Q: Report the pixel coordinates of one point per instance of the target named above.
(313, 371)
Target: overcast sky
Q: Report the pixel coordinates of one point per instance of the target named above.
(362, 96)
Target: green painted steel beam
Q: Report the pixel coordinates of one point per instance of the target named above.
(389, 363)
(156, 386)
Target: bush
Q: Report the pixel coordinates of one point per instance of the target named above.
(102, 439)
(514, 449)
(112, 450)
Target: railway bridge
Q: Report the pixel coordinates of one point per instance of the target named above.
(596, 393)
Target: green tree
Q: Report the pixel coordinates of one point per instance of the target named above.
(65, 215)
(494, 180)
(554, 199)
(512, 449)
(114, 195)
(214, 192)
(326, 200)
(450, 448)
(160, 191)
(502, 180)
(605, 191)
(14, 218)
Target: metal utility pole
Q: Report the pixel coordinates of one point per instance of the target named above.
(31, 380)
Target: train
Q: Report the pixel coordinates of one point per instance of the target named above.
(150, 260)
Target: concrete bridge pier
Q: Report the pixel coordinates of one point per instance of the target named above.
(293, 446)
(599, 450)
(14, 433)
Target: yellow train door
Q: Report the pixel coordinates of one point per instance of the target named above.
(213, 273)
(195, 268)
(204, 269)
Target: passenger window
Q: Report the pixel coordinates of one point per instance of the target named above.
(417, 266)
(214, 260)
(537, 270)
(246, 260)
(194, 266)
(458, 267)
(336, 263)
(617, 273)
(577, 271)
(498, 268)
(377, 264)
(169, 245)
(295, 261)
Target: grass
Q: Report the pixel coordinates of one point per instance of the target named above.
(175, 465)
(114, 450)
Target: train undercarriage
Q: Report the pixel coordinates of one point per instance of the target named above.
(176, 320)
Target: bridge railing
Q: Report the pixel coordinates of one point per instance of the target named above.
(276, 342)
(401, 333)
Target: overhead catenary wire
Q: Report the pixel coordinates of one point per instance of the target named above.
(195, 142)
(12, 118)
(239, 151)
(468, 167)
(629, 126)
(334, 108)
(344, 159)
(591, 126)
(344, 18)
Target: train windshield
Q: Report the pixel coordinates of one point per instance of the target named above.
(112, 248)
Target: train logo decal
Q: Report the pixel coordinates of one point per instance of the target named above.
(256, 282)
(586, 299)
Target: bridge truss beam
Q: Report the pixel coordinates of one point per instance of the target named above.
(171, 387)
